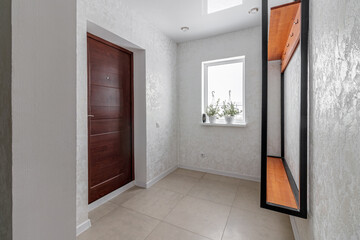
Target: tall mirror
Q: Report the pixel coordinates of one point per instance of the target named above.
(284, 106)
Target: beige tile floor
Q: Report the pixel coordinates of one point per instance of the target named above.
(189, 205)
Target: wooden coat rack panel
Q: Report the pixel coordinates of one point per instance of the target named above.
(278, 189)
(293, 40)
(284, 32)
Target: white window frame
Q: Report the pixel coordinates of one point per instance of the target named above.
(204, 94)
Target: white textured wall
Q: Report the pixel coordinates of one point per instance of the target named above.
(274, 108)
(81, 116)
(43, 118)
(292, 79)
(161, 88)
(334, 122)
(235, 150)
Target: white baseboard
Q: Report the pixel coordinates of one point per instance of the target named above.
(294, 228)
(156, 179)
(140, 184)
(223, 173)
(110, 196)
(83, 227)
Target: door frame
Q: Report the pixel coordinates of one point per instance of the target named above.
(94, 37)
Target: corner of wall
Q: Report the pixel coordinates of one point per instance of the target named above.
(82, 227)
(294, 228)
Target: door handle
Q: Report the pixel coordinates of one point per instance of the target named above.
(91, 116)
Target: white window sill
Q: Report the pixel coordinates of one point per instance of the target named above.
(207, 124)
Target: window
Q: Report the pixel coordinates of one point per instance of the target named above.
(224, 79)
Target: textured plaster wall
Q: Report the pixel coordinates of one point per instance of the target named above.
(43, 119)
(334, 122)
(292, 79)
(5, 122)
(81, 116)
(161, 88)
(274, 109)
(235, 150)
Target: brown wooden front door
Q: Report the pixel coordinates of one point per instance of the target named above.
(110, 117)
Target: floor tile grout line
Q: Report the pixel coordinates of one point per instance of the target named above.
(202, 177)
(121, 194)
(147, 215)
(227, 220)
(134, 210)
(187, 230)
(172, 209)
(236, 194)
(254, 213)
(158, 224)
(182, 196)
(137, 212)
(208, 200)
(230, 208)
(93, 222)
(187, 195)
(167, 189)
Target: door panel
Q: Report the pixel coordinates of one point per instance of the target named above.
(110, 109)
(105, 112)
(106, 125)
(106, 79)
(106, 96)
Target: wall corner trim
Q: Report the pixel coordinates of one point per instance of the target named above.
(294, 228)
(82, 227)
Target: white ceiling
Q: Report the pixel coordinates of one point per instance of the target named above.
(170, 15)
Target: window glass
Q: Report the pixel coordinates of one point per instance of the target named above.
(224, 80)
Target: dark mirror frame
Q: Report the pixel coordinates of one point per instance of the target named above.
(302, 198)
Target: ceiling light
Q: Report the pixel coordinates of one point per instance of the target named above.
(185, 29)
(219, 5)
(253, 10)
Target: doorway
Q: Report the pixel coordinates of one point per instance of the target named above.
(110, 117)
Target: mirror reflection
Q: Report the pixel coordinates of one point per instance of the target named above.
(283, 129)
